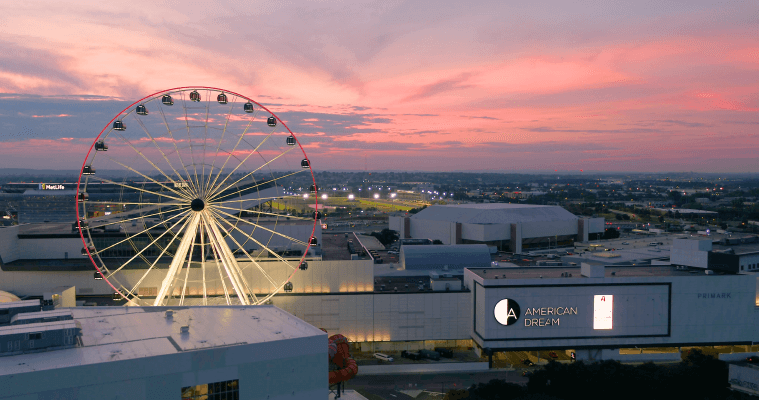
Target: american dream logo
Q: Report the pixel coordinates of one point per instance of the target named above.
(507, 312)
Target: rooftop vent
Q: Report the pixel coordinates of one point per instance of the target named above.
(184, 330)
(169, 314)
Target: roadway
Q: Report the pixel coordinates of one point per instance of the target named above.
(389, 387)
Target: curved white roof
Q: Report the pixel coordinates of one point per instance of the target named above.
(6, 297)
(494, 213)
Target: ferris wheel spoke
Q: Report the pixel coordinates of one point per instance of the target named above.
(218, 191)
(261, 227)
(218, 267)
(145, 248)
(220, 198)
(218, 147)
(138, 189)
(176, 149)
(216, 206)
(189, 138)
(134, 203)
(231, 266)
(272, 252)
(250, 122)
(184, 195)
(239, 246)
(121, 221)
(136, 234)
(155, 143)
(203, 264)
(257, 198)
(178, 260)
(187, 270)
(131, 292)
(205, 140)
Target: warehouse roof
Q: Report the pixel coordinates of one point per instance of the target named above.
(494, 213)
(123, 333)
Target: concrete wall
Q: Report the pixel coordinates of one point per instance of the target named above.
(693, 253)
(9, 243)
(320, 277)
(548, 228)
(385, 316)
(444, 231)
(596, 225)
(396, 224)
(45, 249)
(749, 261)
(486, 233)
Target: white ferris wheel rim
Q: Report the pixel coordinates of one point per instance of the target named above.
(200, 207)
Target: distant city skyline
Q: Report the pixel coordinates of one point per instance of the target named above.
(628, 87)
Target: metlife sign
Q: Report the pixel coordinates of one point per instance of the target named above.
(577, 311)
(49, 186)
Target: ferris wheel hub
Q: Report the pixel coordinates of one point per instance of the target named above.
(198, 205)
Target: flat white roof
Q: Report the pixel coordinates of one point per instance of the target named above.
(122, 333)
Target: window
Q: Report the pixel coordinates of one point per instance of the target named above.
(227, 390)
(35, 336)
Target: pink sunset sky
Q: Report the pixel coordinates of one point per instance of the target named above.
(436, 86)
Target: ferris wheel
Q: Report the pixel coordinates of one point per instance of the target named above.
(184, 199)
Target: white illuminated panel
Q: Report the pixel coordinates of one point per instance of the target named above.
(603, 309)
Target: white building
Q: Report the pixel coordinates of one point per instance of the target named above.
(511, 227)
(257, 352)
(593, 308)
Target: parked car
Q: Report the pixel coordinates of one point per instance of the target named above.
(527, 374)
(652, 244)
(447, 353)
(429, 354)
(528, 363)
(383, 357)
(553, 354)
(752, 359)
(411, 355)
(626, 243)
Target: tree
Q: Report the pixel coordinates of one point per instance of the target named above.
(661, 218)
(386, 236)
(457, 394)
(610, 233)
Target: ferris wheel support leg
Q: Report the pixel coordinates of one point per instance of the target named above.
(179, 257)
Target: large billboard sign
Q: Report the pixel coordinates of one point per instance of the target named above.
(572, 311)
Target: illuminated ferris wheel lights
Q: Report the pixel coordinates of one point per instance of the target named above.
(182, 197)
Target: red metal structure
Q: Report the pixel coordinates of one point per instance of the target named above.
(340, 357)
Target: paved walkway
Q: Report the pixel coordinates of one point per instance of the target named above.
(422, 368)
(348, 395)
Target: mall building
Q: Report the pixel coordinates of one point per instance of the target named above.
(592, 309)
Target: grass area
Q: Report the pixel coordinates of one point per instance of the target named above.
(302, 204)
(384, 206)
